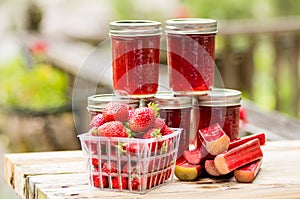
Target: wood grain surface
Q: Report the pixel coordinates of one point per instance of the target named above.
(62, 175)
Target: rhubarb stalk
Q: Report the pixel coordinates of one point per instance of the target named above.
(214, 139)
(260, 136)
(248, 172)
(238, 156)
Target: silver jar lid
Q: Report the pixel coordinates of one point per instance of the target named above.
(167, 100)
(132, 28)
(219, 97)
(98, 102)
(191, 26)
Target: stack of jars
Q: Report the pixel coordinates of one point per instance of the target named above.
(192, 103)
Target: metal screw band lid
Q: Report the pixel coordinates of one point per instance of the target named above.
(191, 26)
(219, 97)
(166, 100)
(132, 28)
(97, 102)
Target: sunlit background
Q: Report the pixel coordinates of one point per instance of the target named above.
(45, 44)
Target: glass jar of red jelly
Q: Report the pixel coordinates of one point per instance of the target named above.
(191, 51)
(176, 111)
(96, 103)
(218, 106)
(135, 57)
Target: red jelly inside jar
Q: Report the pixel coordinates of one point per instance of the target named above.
(220, 106)
(135, 57)
(176, 111)
(191, 50)
(96, 103)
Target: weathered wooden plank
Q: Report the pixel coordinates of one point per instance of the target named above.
(279, 178)
(19, 165)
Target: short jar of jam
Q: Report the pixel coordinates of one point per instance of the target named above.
(218, 106)
(176, 111)
(135, 57)
(191, 51)
(96, 103)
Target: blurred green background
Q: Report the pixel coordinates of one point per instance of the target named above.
(35, 89)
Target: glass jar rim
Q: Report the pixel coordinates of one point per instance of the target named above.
(132, 28)
(167, 100)
(191, 26)
(97, 102)
(219, 97)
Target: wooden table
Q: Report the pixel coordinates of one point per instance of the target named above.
(62, 175)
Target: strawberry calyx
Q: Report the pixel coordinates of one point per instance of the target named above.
(121, 146)
(155, 108)
(94, 131)
(156, 133)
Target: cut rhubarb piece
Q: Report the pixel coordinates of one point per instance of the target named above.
(238, 156)
(187, 172)
(197, 156)
(260, 136)
(210, 168)
(248, 172)
(214, 139)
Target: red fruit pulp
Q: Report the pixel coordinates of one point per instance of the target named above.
(135, 64)
(191, 62)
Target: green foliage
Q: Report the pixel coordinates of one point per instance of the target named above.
(241, 9)
(228, 9)
(123, 9)
(40, 88)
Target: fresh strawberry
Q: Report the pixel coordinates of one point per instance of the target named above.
(113, 129)
(133, 147)
(160, 124)
(167, 131)
(130, 113)
(114, 111)
(153, 133)
(97, 183)
(97, 121)
(120, 182)
(95, 162)
(110, 169)
(141, 119)
(158, 178)
(96, 179)
(135, 182)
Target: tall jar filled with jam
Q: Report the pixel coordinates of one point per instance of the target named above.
(191, 50)
(96, 103)
(135, 57)
(176, 111)
(218, 106)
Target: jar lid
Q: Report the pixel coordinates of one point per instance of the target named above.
(132, 28)
(167, 100)
(98, 102)
(220, 97)
(191, 26)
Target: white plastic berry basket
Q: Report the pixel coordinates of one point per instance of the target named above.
(130, 164)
